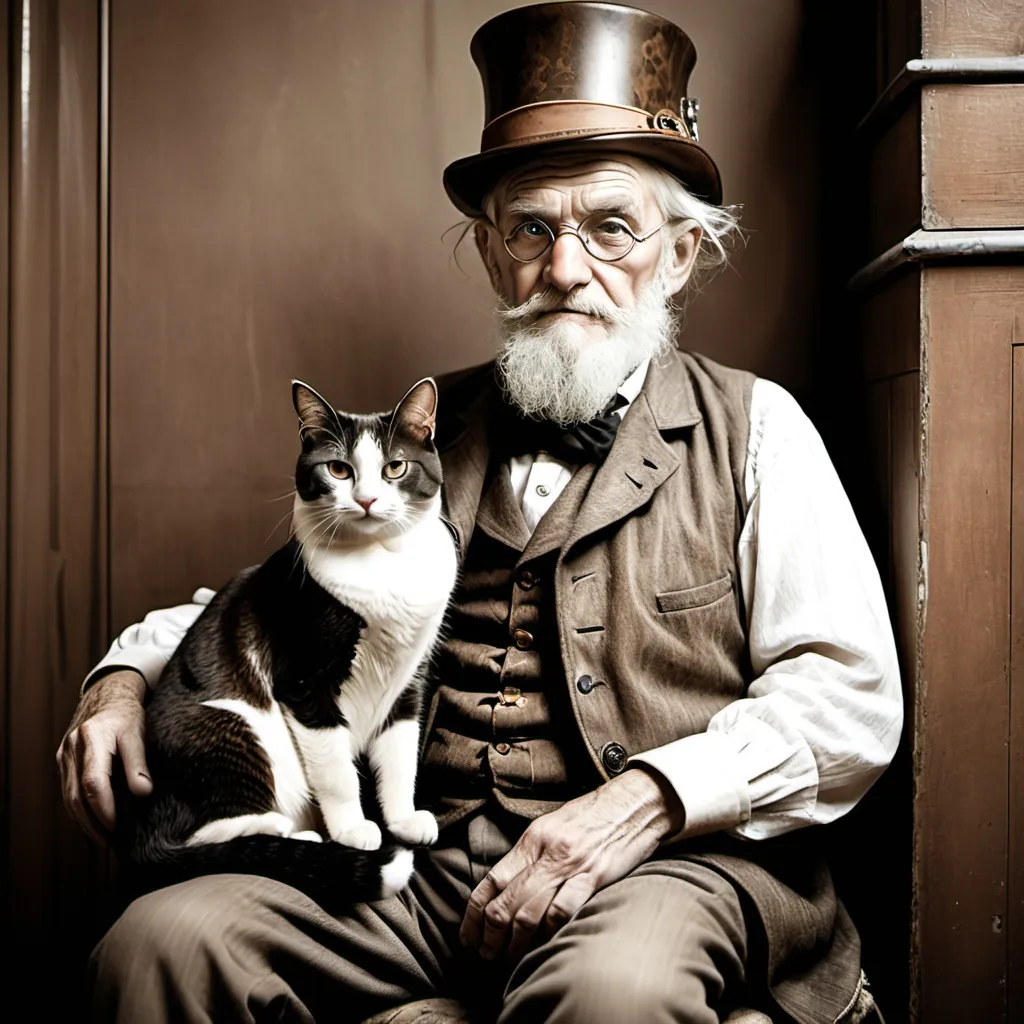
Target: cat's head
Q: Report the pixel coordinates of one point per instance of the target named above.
(366, 477)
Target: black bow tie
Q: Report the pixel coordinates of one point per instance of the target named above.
(590, 441)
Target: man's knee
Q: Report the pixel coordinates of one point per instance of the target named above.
(182, 916)
(173, 939)
(648, 949)
(614, 989)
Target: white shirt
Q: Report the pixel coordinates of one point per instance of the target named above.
(537, 480)
(822, 717)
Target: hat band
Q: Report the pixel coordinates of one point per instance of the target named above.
(538, 122)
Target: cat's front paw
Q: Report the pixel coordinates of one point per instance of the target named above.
(363, 837)
(308, 836)
(419, 829)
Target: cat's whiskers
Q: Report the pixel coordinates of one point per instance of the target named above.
(334, 532)
(281, 497)
(323, 516)
(287, 515)
(322, 523)
(319, 533)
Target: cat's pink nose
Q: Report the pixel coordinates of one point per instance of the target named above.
(365, 504)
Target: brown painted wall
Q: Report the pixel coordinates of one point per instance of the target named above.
(277, 211)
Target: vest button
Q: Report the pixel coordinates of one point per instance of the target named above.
(502, 748)
(526, 579)
(512, 697)
(522, 639)
(613, 757)
(584, 684)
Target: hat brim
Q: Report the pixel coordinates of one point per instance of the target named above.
(468, 180)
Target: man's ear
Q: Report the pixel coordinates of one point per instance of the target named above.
(685, 247)
(416, 413)
(315, 413)
(484, 236)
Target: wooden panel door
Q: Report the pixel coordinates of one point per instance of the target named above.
(947, 199)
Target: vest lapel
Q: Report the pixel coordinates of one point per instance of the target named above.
(640, 460)
(498, 513)
(556, 523)
(464, 456)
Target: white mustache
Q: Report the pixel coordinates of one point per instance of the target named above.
(552, 370)
(550, 300)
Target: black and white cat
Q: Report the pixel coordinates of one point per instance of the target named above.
(306, 665)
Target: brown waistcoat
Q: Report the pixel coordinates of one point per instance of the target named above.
(621, 624)
(644, 555)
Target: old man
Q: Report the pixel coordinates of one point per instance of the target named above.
(669, 660)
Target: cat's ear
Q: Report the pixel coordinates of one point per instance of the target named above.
(416, 413)
(315, 413)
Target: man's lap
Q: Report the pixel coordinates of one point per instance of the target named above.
(235, 944)
(250, 941)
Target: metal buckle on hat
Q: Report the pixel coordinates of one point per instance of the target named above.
(667, 121)
(689, 106)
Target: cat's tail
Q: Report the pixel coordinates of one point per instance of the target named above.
(331, 874)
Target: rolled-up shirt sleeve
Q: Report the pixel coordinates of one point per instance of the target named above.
(823, 714)
(147, 646)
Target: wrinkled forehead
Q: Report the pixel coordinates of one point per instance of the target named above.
(584, 185)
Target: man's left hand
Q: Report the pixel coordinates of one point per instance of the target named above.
(564, 857)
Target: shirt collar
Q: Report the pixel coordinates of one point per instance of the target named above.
(631, 386)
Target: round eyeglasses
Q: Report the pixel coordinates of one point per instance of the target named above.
(604, 237)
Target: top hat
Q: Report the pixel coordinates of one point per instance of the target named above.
(609, 78)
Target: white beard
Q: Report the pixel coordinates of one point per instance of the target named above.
(557, 371)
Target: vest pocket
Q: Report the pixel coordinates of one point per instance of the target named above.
(694, 597)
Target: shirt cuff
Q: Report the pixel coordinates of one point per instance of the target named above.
(147, 646)
(705, 772)
(145, 659)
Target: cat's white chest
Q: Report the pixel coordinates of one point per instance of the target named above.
(406, 580)
(401, 591)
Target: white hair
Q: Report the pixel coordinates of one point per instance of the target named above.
(719, 225)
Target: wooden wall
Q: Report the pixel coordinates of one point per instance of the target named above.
(942, 313)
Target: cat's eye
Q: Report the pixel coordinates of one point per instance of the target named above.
(342, 470)
(395, 469)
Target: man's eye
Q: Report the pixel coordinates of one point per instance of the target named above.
(612, 227)
(342, 470)
(533, 229)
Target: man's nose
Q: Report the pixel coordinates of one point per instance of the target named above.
(568, 265)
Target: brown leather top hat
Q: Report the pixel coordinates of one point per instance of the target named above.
(605, 76)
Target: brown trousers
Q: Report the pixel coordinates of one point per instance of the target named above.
(667, 943)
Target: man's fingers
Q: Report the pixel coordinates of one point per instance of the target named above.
(97, 764)
(73, 802)
(492, 886)
(133, 756)
(85, 817)
(472, 923)
(66, 766)
(569, 899)
(526, 922)
(501, 913)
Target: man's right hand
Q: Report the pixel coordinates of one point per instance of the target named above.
(109, 720)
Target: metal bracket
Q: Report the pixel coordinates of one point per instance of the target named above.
(689, 108)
